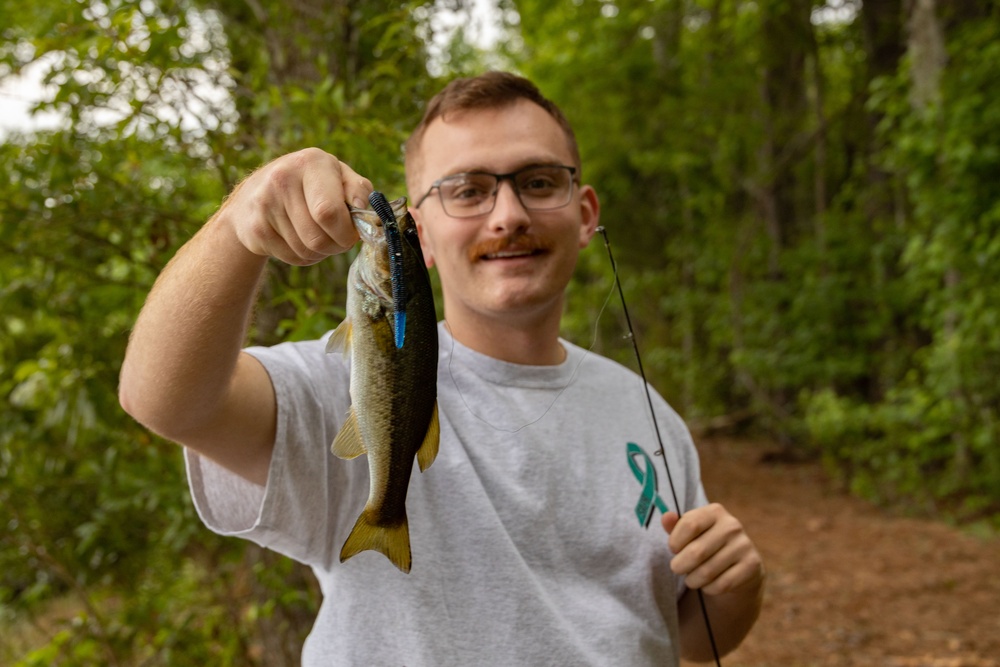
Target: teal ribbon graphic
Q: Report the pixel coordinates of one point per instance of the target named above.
(649, 498)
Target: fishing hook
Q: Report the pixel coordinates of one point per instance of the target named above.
(661, 452)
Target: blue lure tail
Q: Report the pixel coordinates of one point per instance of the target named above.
(381, 206)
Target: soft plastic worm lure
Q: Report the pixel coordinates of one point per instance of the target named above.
(394, 243)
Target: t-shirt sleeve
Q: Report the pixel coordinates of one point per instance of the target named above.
(295, 513)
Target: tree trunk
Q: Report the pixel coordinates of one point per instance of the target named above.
(925, 46)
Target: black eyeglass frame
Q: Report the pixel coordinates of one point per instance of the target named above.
(510, 176)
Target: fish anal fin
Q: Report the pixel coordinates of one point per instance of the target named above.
(348, 444)
(340, 339)
(429, 449)
(393, 541)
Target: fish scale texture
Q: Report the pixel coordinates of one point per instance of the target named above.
(392, 384)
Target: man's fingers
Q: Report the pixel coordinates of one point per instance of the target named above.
(295, 208)
(694, 523)
(696, 553)
(356, 187)
(298, 235)
(325, 223)
(712, 550)
(669, 521)
(719, 572)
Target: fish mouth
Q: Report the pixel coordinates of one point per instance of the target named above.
(369, 224)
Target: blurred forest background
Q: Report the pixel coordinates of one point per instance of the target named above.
(803, 197)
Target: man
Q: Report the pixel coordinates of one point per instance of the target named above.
(528, 547)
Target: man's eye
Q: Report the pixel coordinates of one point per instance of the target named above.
(537, 183)
(467, 191)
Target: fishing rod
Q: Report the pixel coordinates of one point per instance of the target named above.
(661, 452)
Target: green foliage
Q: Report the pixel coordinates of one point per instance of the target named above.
(933, 437)
(166, 105)
(797, 240)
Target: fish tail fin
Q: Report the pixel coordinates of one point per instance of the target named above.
(392, 540)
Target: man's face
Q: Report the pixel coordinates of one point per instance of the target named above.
(510, 263)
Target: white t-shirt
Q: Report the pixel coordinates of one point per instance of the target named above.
(527, 532)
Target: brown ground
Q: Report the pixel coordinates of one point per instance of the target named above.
(850, 584)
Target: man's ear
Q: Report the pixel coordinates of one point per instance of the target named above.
(590, 214)
(425, 244)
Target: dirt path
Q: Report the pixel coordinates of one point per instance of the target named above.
(849, 584)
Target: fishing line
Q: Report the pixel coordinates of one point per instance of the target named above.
(593, 343)
(616, 284)
(656, 426)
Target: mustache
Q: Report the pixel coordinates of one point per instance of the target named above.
(513, 242)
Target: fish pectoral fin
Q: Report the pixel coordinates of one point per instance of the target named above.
(348, 444)
(391, 540)
(384, 336)
(340, 339)
(429, 449)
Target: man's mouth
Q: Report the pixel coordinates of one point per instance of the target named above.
(508, 254)
(508, 248)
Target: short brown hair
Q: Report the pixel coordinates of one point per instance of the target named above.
(490, 90)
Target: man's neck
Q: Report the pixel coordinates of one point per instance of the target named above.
(529, 341)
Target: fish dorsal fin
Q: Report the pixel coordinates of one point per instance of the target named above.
(340, 339)
(429, 449)
(348, 443)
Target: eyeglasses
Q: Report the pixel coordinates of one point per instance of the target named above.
(538, 188)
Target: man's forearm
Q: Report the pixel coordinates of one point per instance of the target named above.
(183, 375)
(184, 347)
(731, 615)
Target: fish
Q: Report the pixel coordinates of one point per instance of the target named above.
(390, 336)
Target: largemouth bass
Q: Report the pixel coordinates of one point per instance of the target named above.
(393, 417)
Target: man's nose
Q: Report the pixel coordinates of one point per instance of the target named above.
(508, 213)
